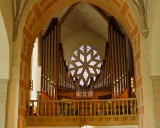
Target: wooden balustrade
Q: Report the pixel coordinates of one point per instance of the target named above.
(113, 107)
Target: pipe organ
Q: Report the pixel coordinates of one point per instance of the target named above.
(118, 59)
(66, 83)
(55, 75)
(114, 74)
(49, 60)
(103, 80)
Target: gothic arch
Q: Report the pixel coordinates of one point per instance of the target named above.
(43, 10)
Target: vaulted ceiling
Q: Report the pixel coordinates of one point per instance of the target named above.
(81, 23)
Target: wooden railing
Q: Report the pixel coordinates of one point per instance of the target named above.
(113, 107)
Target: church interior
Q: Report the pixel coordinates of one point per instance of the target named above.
(79, 63)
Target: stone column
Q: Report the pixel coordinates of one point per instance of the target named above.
(3, 100)
(156, 99)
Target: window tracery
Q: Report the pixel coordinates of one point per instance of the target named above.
(85, 64)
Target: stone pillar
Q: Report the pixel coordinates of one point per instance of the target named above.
(156, 99)
(3, 100)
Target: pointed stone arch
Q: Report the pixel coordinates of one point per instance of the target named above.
(43, 10)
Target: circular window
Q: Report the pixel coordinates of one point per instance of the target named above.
(85, 64)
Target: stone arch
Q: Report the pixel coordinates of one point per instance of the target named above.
(42, 11)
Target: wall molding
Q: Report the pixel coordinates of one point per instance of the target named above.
(4, 80)
(155, 77)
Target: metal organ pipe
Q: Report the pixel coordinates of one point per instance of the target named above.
(52, 63)
(49, 57)
(43, 69)
(118, 60)
(46, 64)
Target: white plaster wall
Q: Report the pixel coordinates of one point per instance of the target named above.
(4, 71)
(4, 51)
(154, 38)
(147, 96)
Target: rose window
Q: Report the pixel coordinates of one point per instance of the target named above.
(85, 64)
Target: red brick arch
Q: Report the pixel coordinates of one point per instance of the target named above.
(43, 10)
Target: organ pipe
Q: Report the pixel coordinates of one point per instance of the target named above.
(49, 57)
(52, 62)
(122, 63)
(118, 60)
(114, 71)
(43, 70)
(46, 64)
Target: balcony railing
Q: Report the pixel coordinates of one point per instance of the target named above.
(113, 107)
